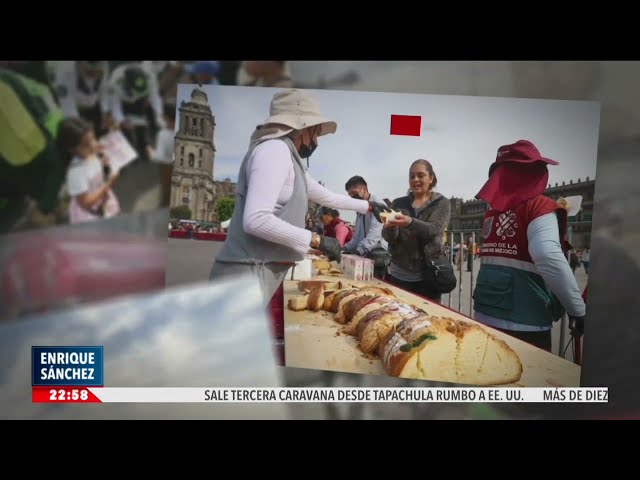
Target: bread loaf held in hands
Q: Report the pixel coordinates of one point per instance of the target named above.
(389, 216)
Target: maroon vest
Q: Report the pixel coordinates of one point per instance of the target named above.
(508, 285)
(330, 230)
(505, 233)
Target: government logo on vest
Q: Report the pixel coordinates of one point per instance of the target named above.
(506, 224)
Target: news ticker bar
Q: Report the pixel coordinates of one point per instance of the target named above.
(67, 394)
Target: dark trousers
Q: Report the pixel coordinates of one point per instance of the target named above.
(420, 288)
(537, 339)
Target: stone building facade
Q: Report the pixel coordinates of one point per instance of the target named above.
(194, 158)
(580, 225)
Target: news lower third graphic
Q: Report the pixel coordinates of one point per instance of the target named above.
(63, 374)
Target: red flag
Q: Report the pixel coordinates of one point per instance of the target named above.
(406, 125)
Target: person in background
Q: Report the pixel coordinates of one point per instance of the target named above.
(574, 260)
(317, 226)
(266, 235)
(310, 224)
(202, 73)
(459, 251)
(265, 74)
(416, 235)
(470, 254)
(82, 89)
(525, 283)
(38, 71)
(157, 67)
(228, 73)
(163, 152)
(334, 226)
(136, 104)
(367, 239)
(168, 74)
(31, 171)
(89, 178)
(586, 258)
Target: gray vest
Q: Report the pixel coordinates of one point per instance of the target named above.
(241, 247)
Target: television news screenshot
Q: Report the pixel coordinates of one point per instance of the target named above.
(319, 240)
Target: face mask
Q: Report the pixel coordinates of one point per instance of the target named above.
(307, 150)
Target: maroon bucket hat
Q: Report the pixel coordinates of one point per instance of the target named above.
(523, 151)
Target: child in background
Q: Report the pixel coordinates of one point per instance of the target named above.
(89, 177)
(163, 152)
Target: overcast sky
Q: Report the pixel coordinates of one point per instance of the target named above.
(460, 136)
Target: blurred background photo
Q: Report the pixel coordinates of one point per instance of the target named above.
(34, 185)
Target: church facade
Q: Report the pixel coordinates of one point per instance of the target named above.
(192, 182)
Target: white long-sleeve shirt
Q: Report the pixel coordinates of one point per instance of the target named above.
(65, 82)
(270, 177)
(366, 239)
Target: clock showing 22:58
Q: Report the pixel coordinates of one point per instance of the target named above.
(68, 395)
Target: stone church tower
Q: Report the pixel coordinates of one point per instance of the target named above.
(192, 179)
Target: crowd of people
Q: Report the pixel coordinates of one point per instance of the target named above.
(53, 165)
(521, 290)
(194, 226)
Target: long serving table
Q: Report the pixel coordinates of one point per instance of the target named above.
(314, 340)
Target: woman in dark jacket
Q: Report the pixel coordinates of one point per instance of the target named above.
(417, 234)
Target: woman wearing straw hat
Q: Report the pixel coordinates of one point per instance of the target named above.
(267, 233)
(525, 282)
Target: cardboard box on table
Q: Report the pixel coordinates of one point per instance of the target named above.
(302, 271)
(357, 268)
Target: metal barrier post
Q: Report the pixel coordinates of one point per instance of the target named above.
(460, 255)
(473, 254)
(451, 260)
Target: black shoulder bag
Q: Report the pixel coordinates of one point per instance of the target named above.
(439, 273)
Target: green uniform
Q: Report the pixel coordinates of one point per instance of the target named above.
(29, 161)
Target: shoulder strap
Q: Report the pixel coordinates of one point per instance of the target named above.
(403, 203)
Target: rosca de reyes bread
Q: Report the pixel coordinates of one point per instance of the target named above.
(414, 344)
(447, 350)
(313, 301)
